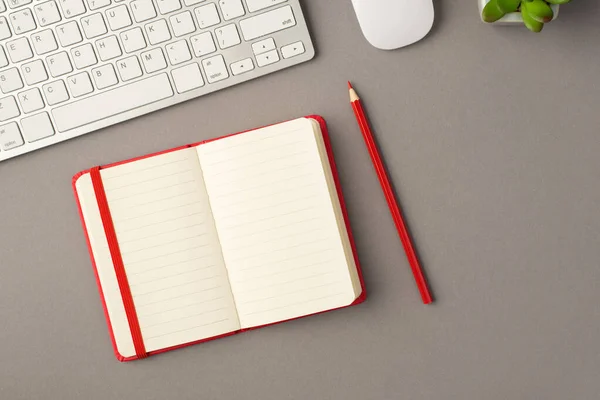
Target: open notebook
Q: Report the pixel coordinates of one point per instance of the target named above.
(219, 237)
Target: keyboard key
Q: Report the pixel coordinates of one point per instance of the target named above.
(192, 2)
(133, 40)
(10, 80)
(227, 36)
(47, 13)
(34, 72)
(203, 44)
(44, 42)
(267, 23)
(187, 78)
(142, 10)
(292, 50)
(72, 8)
(242, 66)
(129, 68)
(2, 6)
(93, 25)
(4, 29)
(108, 48)
(31, 100)
(68, 34)
(80, 84)
(178, 52)
(263, 46)
(96, 4)
(3, 59)
(267, 58)
(207, 15)
(167, 6)
(22, 21)
(37, 127)
(182, 23)
(215, 69)
(112, 102)
(158, 31)
(105, 76)
(153, 60)
(257, 5)
(18, 3)
(19, 49)
(8, 108)
(231, 9)
(118, 17)
(59, 64)
(83, 56)
(10, 136)
(55, 92)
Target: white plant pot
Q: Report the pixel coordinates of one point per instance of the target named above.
(513, 18)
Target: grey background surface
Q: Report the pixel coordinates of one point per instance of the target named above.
(491, 135)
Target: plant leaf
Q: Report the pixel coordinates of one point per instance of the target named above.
(540, 11)
(508, 6)
(491, 12)
(530, 23)
(558, 1)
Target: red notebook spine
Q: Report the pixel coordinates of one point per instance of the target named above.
(117, 259)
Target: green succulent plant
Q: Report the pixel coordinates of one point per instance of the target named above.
(535, 13)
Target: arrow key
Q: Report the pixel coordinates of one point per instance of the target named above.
(242, 66)
(292, 50)
(267, 58)
(263, 46)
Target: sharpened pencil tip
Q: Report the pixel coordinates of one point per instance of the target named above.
(349, 85)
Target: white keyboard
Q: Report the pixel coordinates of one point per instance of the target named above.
(69, 67)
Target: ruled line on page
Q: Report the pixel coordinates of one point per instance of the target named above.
(295, 280)
(183, 318)
(177, 196)
(238, 191)
(163, 255)
(263, 195)
(136, 295)
(129, 185)
(296, 304)
(158, 212)
(249, 138)
(152, 191)
(143, 169)
(141, 315)
(266, 161)
(285, 271)
(127, 253)
(304, 289)
(172, 265)
(285, 260)
(136, 284)
(162, 233)
(158, 222)
(188, 329)
(140, 305)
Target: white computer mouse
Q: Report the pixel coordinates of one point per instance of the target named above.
(391, 24)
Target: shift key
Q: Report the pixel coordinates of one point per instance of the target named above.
(267, 23)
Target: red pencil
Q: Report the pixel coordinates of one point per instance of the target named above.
(389, 195)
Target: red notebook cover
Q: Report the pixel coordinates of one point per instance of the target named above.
(327, 142)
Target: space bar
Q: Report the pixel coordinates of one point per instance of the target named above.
(112, 102)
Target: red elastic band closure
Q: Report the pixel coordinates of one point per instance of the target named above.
(117, 259)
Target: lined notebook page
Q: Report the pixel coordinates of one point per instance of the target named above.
(276, 223)
(170, 250)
